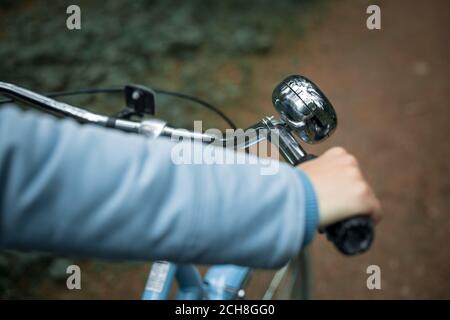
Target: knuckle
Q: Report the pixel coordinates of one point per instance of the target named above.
(351, 160)
(377, 208)
(338, 150)
(362, 189)
(354, 173)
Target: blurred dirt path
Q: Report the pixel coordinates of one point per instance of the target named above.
(391, 92)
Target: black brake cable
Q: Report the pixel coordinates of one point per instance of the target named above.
(120, 90)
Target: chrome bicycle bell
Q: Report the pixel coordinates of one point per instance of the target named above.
(305, 109)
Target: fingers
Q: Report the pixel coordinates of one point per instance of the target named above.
(347, 162)
(335, 151)
(341, 156)
(370, 202)
(376, 214)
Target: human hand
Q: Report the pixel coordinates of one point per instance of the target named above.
(340, 187)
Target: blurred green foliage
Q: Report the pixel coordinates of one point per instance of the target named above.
(176, 45)
(181, 45)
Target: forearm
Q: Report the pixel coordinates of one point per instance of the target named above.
(84, 190)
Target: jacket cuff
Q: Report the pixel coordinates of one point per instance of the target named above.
(311, 209)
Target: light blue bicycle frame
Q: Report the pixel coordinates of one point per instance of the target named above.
(222, 282)
(226, 282)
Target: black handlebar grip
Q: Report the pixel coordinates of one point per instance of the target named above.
(351, 236)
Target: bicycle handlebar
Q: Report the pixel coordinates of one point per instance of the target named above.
(352, 236)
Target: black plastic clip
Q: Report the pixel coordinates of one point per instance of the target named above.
(140, 99)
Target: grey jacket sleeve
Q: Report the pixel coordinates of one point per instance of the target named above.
(83, 190)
